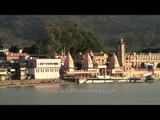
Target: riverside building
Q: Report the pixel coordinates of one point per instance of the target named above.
(44, 68)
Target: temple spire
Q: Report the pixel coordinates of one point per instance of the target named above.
(69, 63)
(114, 62)
(88, 63)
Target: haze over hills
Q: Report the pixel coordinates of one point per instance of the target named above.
(138, 31)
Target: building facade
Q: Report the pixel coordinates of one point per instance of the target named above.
(134, 59)
(44, 68)
(138, 59)
(15, 56)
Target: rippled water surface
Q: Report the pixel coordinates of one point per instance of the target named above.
(83, 94)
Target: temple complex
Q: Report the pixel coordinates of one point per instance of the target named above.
(119, 64)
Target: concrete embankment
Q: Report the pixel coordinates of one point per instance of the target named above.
(15, 83)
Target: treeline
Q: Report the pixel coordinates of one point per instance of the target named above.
(150, 50)
(138, 31)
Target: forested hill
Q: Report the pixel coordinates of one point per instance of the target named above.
(137, 30)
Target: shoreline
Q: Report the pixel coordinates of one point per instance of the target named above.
(37, 83)
(25, 83)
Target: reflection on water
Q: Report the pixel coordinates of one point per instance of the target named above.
(86, 94)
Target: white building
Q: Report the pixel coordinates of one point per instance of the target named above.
(44, 68)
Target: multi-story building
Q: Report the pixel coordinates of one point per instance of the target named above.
(6, 55)
(7, 70)
(136, 60)
(21, 70)
(44, 68)
(15, 56)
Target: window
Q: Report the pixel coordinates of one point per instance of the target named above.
(56, 70)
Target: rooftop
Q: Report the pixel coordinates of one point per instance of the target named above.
(17, 54)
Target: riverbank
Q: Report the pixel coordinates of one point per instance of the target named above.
(33, 82)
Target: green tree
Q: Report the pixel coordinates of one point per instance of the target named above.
(82, 41)
(54, 38)
(49, 41)
(33, 49)
(14, 49)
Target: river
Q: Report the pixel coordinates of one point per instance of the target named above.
(83, 94)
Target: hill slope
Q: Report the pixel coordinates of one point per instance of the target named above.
(136, 30)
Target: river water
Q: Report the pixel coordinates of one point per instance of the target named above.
(83, 94)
